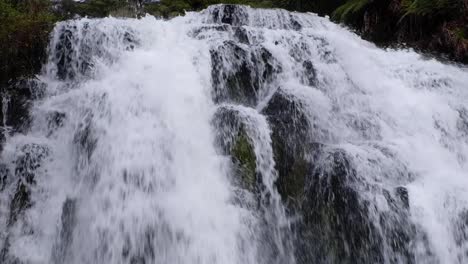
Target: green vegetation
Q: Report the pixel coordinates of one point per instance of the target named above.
(244, 155)
(350, 8)
(170, 8)
(461, 33)
(24, 31)
(98, 8)
(25, 24)
(431, 7)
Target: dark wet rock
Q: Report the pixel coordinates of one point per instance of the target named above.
(234, 15)
(85, 139)
(206, 31)
(153, 242)
(26, 165)
(137, 260)
(4, 175)
(72, 56)
(15, 102)
(239, 73)
(29, 160)
(310, 73)
(397, 228)
(350, 228)
(325, 50)
(330, 207)
(295, 25)
(6, 257)
(75, 49)
(290, 137)
(63, 55)
(365, 126)
(462, 122)
(241, 34)
(55, 120)
(130, 41)
(460, 233)
(321, 184)
(402, 194)
(334, 199)
(21, 201)
(243, 155)
(233, 140)
(68, 219)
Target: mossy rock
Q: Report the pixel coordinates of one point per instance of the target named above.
(243, 155)
(290, 142)
(332, 205)
(320, 184)
(232, 140)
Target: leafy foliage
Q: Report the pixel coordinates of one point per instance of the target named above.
(431, 7)
(350, 8)
(419, 8)
(99, 8)
(25, 24)
(24, 30)
(170, 8)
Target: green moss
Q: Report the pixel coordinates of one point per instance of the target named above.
(461, 34)
(243, 154)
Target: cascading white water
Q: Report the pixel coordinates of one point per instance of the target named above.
(121, 162)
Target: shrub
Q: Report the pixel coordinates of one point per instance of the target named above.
(23, 36)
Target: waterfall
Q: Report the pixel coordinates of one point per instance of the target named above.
(235, 135)
(5, 102)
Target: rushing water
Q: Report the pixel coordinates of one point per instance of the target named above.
(129, 153)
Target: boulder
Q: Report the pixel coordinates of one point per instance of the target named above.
(233, 140)
(26, 165)
(290, 138)
(341, 225)
(239, 73)
(68, 219)
(234, 15)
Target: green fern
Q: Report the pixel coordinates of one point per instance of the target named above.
(430, 7)
(349, 8)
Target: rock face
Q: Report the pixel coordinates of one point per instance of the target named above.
(336, 213)
(14, 105)
(24, 172)
(23, 181)
(318, 182)
(240, 73)
(290, 139)
(233, 15)
(234, 141)
(68, 220)
(438, 31)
